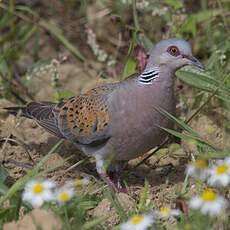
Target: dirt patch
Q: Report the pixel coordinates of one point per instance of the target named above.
(104, 208)
(36, 219)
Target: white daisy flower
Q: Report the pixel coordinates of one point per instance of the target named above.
(37, 192)
(64, 194)
(198, 169)
(220, 173)
(166, 213)
(78, 183)
(227, 160)
(209, 202)
(138, 222)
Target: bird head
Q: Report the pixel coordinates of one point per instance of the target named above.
(172, 53)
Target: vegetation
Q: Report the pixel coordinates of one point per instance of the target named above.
(43, 42)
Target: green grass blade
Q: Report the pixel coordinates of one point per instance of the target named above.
(185, 136)
(180, 123)
(144, 196)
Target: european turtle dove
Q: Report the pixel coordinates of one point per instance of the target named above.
(117, 122)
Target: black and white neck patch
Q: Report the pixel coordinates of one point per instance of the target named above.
(148, 76)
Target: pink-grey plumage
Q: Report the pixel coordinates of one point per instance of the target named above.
(118, 121)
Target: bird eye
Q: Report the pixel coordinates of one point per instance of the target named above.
(173, 50)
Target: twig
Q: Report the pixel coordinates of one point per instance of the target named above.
(17, 163)
(76, 164)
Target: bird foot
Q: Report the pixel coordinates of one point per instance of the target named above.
(122, 190)
(114, 184)
(113, 178)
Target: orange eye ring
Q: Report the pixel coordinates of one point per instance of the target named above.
(173, 50)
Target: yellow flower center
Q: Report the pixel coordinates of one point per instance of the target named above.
(64, 196)
(201, 164)
(136, 219)
(209, 195)
(164, 210)
(221, 169)
(210, 130)
(78, 182)
(38, 188)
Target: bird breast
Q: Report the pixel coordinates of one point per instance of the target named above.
(135, 123)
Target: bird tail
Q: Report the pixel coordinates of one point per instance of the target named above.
(15, 110)
(33, 110)
(42, 112)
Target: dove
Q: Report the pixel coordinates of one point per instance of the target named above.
(116, 122)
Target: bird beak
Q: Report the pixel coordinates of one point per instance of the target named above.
(193, 61)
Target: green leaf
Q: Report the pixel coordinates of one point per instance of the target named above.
(61, 94)
(144, 41)
(189, 26)
(204, 81)
(176, 4)
(130, 68)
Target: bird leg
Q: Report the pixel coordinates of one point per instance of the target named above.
(112, 179)
(114, 172)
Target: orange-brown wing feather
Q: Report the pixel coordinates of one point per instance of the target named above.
(85, 118)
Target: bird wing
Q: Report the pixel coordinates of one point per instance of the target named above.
(84, 119)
